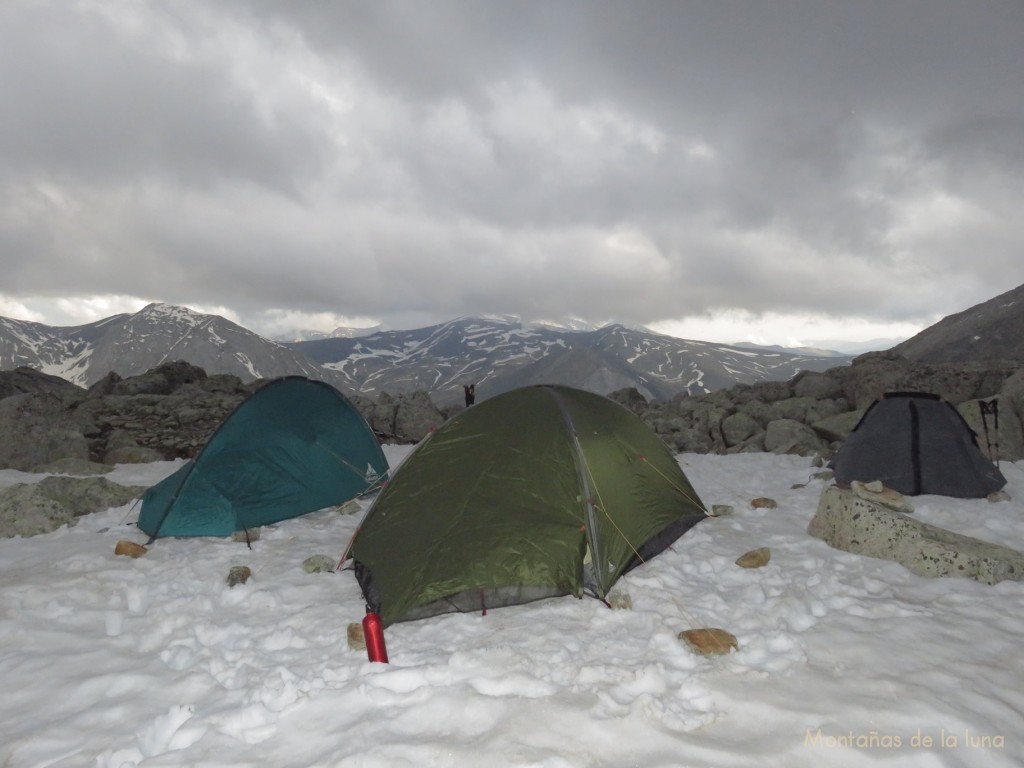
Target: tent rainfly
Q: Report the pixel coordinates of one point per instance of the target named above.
(293, 447)
(916, 443)
(539, 492)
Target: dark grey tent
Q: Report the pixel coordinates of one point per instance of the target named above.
(916, 443)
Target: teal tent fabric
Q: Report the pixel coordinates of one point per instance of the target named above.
(293, 447)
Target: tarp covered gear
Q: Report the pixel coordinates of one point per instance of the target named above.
(538, 492)
(916, 443)
(293, 447)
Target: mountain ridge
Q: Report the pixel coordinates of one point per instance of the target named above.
(496, 354)
(992, 330)
(499, 355)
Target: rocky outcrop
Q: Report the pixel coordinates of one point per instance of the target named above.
(854, 523)
(404, 418)
(23, 380)
(815, 411)
(36, 428)
(873, 374)
(166, 413)
(27, 509)
(171, 411)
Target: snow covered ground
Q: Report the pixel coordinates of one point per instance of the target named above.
(108, 661)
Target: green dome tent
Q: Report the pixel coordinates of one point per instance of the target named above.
(294, 446)
(538, 492)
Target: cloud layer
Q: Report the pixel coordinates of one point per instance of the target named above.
(786, 168)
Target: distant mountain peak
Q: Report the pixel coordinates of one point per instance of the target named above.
(575, 324)
(159, 310)
(130, 344)
(812, 351)
(514, 320)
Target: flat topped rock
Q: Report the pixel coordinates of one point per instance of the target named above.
(856, 524)
(875, 491)
(709, 641)
(129, 549)
(755, 558)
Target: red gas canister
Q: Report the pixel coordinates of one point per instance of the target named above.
(373, 632)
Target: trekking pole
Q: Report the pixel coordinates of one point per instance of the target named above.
(987, 408)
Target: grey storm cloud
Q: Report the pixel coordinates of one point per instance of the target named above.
(645, 161)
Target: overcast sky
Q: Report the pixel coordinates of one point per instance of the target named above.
(777, 171)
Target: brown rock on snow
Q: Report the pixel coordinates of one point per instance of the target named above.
(239, 574)
(710, 641)
(755, 558)
(356, 638)
(129, 549)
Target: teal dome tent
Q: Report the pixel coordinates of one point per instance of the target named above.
(293, 447)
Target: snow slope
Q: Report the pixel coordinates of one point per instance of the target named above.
(111, 662)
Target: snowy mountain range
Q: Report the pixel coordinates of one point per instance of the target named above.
(496, 354)
(501, 354)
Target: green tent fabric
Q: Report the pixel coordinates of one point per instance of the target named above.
(293, 447)
(538, 492)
